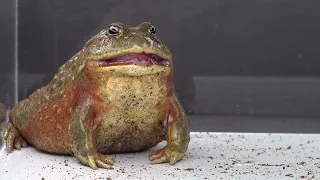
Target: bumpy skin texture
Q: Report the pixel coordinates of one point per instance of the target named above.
(89, 111)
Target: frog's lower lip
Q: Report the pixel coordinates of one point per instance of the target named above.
(139, 59)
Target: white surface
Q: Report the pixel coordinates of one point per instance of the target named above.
(210, 156)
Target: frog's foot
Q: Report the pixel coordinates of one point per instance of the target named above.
(95, 160)
(165, 155)
(13, 138)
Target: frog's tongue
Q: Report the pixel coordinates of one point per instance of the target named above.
(142, 59)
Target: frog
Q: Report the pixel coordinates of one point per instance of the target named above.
(116, 95)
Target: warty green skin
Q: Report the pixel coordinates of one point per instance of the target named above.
(88, 111)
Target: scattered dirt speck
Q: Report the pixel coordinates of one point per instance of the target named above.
(289, 175)
(271, 164)
(189, 169)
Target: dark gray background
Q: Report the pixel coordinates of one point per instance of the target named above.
(239, 65)
(7, 45)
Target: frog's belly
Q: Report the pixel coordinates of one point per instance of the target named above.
(130, 131)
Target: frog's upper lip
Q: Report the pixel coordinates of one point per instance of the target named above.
(140, 59)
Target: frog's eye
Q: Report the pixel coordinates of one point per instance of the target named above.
(152, 30)
(113, 30)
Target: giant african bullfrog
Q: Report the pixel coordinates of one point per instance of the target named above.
(115, 95)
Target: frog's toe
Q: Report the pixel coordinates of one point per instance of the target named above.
(156, 154)
(92, 163)
(107, 159)
(161, 159)
(101, 164)
(165, 156)
(98, 160)
(19, 142)
(175, 158)
(13, 138)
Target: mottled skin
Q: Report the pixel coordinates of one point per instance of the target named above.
(89, 111)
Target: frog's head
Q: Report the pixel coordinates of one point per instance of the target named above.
(125, 50)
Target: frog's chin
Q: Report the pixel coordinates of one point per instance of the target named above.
(132, 64)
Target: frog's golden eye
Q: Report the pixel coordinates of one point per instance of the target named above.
(113, 30)
(152, 30)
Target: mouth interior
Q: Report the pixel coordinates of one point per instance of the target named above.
(141, 59)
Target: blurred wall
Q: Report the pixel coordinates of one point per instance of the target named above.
(253, 58)
(7, 45)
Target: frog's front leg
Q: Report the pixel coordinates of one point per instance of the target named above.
(82, 141)
(177, 139)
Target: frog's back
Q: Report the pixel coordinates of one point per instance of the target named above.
(43, 120)
(20, 114)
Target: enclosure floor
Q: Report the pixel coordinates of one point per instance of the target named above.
(210, 156)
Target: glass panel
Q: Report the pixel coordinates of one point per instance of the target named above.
(8, 61)
(234, 62)
(239, 66)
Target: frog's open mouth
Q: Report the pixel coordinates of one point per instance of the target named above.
(141, 59)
